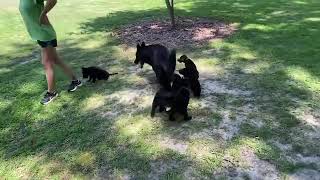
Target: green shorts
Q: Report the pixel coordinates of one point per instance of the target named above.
(44, 44)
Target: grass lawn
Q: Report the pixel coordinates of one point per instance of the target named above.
(259, 116)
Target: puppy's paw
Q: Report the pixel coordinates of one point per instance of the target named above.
(171, 118)
(188, 118)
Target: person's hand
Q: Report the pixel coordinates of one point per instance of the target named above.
(44, 19)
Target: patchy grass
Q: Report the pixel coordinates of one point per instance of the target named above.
(259, 113)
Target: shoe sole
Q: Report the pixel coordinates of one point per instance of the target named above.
(75, 88)
(50, 100)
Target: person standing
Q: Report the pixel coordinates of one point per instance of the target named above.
(34, 14)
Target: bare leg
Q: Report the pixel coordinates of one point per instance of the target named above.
(48, 63)
(67, 70)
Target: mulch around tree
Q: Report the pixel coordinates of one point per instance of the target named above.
(189, 32)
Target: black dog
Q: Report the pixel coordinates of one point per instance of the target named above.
(178, 83)
(180, 104)
(181, 98)
(162, 61)
(193, 84)
(190, 73)
(95, 73)
(177, 99)
(162, 99)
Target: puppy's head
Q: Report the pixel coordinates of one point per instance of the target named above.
(140, 54)
(85, 72)
(183, 58)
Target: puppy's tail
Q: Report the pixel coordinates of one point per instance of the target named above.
(113, 74)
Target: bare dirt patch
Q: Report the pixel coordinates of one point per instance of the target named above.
(305, 174)
(255, 168)
(189, 32)
(259, 169)
(174, 145)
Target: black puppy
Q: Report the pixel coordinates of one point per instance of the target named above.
(177, 99)
(178, 83)
(193, 84)
(95, 73)
(162, 99)
(180, 104)
(162, 61)
(190, 73)
(181, 98)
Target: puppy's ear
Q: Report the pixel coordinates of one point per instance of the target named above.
(138, 46)
(143, 44)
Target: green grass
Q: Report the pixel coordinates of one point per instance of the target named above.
(274, 55)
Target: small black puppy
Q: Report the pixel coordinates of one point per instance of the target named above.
(95, 73)
(180, 104)
(181, 97)
(191, 74)
(193, 84)
(177, 99)
(162, 61)
(190, 71)
(178, 83)
(162, 99)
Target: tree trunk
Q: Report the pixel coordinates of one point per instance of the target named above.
(170, 8)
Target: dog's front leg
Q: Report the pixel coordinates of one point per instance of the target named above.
(154, 106)
(187, 117)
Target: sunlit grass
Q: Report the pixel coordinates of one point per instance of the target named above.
(134, 127)
(257, 27)
(304, 78)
